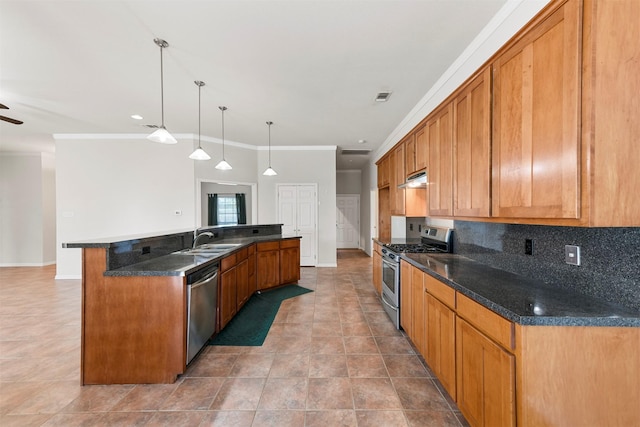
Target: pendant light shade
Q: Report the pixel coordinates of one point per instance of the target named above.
(162, 135)
(199, 153)
(223, 165)
(269, 171)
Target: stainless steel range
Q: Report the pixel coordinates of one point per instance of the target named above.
(432, 240)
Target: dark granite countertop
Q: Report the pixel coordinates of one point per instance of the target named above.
(181, 264)
(521, 299)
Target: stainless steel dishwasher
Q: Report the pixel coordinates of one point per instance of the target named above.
(202, 296)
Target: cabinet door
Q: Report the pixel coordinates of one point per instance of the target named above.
(486, 380)
(268, 271)
(472, 148)
(536, 148)
(422, 149)
(440, 170)
(410, 155)
(406, 298)
(377, 270)
(397, 177)
(289, 265)
(252, 286)
(242, 283)
(383, 172)
(418, 310)
(228, 303)
(384, 214)
(441, 347)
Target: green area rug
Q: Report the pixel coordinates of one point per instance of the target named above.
(251, 324)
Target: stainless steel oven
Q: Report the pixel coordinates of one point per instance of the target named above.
(391, 285)
(432, 239)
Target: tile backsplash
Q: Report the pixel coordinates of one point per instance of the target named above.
(610, 257)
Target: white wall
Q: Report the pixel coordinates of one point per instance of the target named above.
(303, 166)
(119, 187)
(365, 210)
(348, 181)
(27, 209)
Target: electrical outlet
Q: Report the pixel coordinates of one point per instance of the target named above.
(410, 227)
(572, 254)
(528, 246)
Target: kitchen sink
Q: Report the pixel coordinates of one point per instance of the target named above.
(209, 249)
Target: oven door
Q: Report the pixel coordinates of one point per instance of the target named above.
(391, 280)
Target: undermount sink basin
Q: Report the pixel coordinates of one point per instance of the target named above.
(218, 246)
(210, 249)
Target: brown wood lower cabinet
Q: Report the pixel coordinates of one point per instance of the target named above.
(441, 343)
(377, 268)
(289, 261)
(268, 265)
(278, 263)
(486, 379)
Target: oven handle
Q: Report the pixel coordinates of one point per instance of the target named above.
(393, 265)
(390, 306)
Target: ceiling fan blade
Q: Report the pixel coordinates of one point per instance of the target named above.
(4, 107)
(10, 120)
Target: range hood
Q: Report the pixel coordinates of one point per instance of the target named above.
(418, 180)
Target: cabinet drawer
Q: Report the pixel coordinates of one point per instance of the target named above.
(445, 293)
(493, 325)
(268, 246)
(228, 262)
(241, 254)
(290, 243)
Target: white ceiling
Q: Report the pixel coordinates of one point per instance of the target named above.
(312, 67)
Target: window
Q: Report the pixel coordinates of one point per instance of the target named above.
(227, 210)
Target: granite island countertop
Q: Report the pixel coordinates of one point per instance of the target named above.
(126, 255)
(181, 264)
(521, 299)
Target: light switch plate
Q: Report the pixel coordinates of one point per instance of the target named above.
(572, 254)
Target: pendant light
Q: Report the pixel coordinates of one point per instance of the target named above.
(162, 135)
(223, 165)
(199, 154)
(269, 171)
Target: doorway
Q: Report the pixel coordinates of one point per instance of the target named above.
(348, 221)
(297, 212)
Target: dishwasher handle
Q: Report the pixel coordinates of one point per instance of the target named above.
(206, 279)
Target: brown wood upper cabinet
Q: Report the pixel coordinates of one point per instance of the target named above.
(416, 151)
(536, 105)
(472, 147)
(440, 169)
(383, 172)
(397, 177)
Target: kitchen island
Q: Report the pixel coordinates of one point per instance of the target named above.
(135, 305)
(511, 351)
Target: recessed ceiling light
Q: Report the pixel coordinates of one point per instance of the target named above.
(383, 96)
(136, 117)
(362, 141)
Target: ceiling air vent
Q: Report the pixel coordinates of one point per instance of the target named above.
(383, 96)
(354, 152)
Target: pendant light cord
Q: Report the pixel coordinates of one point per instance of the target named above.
(269, 123)
(224, 108)
(199, 89)
(161, 87)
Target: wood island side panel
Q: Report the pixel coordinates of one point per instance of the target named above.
(578, 376)
(133, 328)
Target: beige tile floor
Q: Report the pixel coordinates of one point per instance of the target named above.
(331, 358)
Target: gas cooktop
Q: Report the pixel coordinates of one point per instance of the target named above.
(432, 239)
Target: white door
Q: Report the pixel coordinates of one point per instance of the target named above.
(297, 211)
(348, 221)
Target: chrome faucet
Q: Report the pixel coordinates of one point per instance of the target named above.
(206, 233)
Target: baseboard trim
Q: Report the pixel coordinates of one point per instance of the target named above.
(27, 264)
(68, 277)
(327, 265)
